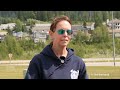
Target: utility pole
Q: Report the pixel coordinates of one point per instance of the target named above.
(113, 35)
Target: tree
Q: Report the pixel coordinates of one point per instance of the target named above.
(19, 26)
(98, 18)
(84, 24)
(9, 30)
(100, 34)
(80, 38)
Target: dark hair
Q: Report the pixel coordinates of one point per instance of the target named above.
(57, 20)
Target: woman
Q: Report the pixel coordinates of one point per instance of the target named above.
(56, 61)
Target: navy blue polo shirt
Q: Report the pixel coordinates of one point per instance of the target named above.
(47, 65)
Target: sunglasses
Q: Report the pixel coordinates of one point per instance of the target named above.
(61, 31)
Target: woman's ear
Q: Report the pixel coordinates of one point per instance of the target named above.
(51, 34)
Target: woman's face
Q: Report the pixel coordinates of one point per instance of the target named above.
(60, 36)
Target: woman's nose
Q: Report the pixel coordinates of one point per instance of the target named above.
(65, 33)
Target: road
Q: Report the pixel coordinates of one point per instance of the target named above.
(88, 62)
(100, 59)
(102, 64)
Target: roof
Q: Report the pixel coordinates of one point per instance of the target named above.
(40, 27)
(114, 21)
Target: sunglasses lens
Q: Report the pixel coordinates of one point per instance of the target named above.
(61, 31)
(69, 32)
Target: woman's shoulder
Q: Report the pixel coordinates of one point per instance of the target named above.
(36, 58)
(78, 58)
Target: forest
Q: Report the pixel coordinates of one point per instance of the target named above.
(76, 16)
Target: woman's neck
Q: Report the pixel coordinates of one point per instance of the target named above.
(59, 51)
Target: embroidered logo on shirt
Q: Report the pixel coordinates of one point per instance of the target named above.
(74, 74)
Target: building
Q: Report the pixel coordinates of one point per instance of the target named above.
(41, 27)
(6, 26)
(2, 37)
(40, 32)
(114, 25)
(87, 30)
(40, 36)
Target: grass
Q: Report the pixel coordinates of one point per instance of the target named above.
(94, 72)
(12, 72)
(103, 72)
